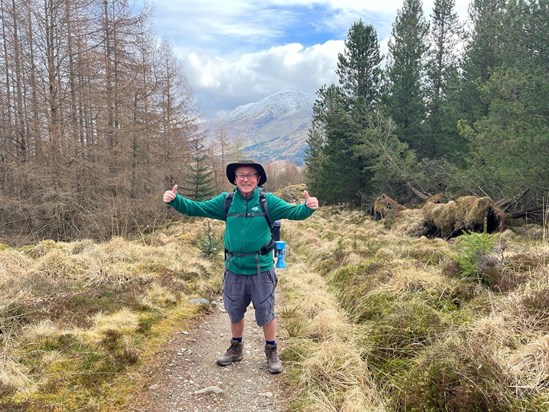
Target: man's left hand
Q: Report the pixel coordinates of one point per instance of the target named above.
(310, 202)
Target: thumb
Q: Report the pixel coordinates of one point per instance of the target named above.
(174, 190)
(306, 194)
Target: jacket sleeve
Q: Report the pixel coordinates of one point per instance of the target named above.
(213, 208)
(280, 209)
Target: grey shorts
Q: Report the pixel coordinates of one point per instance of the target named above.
(259, 289)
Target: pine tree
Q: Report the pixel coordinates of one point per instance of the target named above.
(509, 145)
(341, 174)
(199, 183)
(406, 71)
(314, 152)
(359, 68)
(482, 56)
(446, 35)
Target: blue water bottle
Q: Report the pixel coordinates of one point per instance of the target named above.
(280, 254)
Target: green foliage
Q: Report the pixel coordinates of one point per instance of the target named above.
(340, 115)
(358, 67)
(452, 378)
(209, 242)
(403, 330)
(482, 56)
(438, 126)
(200, 183)
(472, 247)
(314, 155)
(446, 35)
(405, 72)
(514, 133)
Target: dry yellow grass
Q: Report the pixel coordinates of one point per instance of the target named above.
(103, 305)
(58, 297)
(332, 374)
(393, 268)
(529, 365)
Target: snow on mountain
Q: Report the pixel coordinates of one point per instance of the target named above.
(274, 128)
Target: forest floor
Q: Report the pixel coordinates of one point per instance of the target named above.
(185, 377)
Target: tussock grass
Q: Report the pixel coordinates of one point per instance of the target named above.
(329, 372)
(78, 318)
(429, 338)
(529, 365)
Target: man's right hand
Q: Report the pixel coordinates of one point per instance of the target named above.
(170, 195)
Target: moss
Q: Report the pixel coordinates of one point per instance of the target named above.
(353, 285)
(372, 307)
(453, 377)
(404, 330)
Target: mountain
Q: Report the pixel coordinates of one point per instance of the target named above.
(274, 128)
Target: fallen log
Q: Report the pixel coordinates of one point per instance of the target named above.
(385, 206)
(467, 213)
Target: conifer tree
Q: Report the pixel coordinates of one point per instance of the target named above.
(342, 174)
(509, 145)
(314, 152)
(358, 68)
(199, 182)
(446, 36)
(482, 55)
(406, 92)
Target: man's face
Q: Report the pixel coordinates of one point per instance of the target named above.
(246, 179)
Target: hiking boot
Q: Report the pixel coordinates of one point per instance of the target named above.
(233, 354)
(273, 363)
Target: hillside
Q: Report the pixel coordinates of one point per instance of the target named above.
(274, 128)
(375, 318)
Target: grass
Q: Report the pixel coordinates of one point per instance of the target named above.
(376, 317)
(436, 325)
(79, 318)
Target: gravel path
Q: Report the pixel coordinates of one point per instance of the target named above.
(185, 376)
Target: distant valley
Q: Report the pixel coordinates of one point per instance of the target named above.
(274, 128)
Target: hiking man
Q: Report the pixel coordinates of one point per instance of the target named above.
(249, 265)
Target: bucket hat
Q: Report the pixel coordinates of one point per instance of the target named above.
(231, 169)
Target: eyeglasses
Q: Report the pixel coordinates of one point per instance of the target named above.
(249, 176)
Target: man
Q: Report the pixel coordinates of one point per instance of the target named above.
(249, 265)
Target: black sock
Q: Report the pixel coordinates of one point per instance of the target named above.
(271, 342)
(238, 340)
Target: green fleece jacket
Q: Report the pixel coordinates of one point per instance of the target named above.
(246, 229)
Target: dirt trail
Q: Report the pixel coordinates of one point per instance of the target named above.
(186, 366)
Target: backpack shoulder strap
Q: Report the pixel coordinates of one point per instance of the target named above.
(228, 201)
(265, 207)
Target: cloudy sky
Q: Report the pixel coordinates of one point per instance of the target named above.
(236, 52)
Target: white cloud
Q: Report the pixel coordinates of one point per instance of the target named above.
(240, 51)
(223, 84)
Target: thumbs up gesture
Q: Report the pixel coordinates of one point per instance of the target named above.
(170, 195)
(310, 202)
